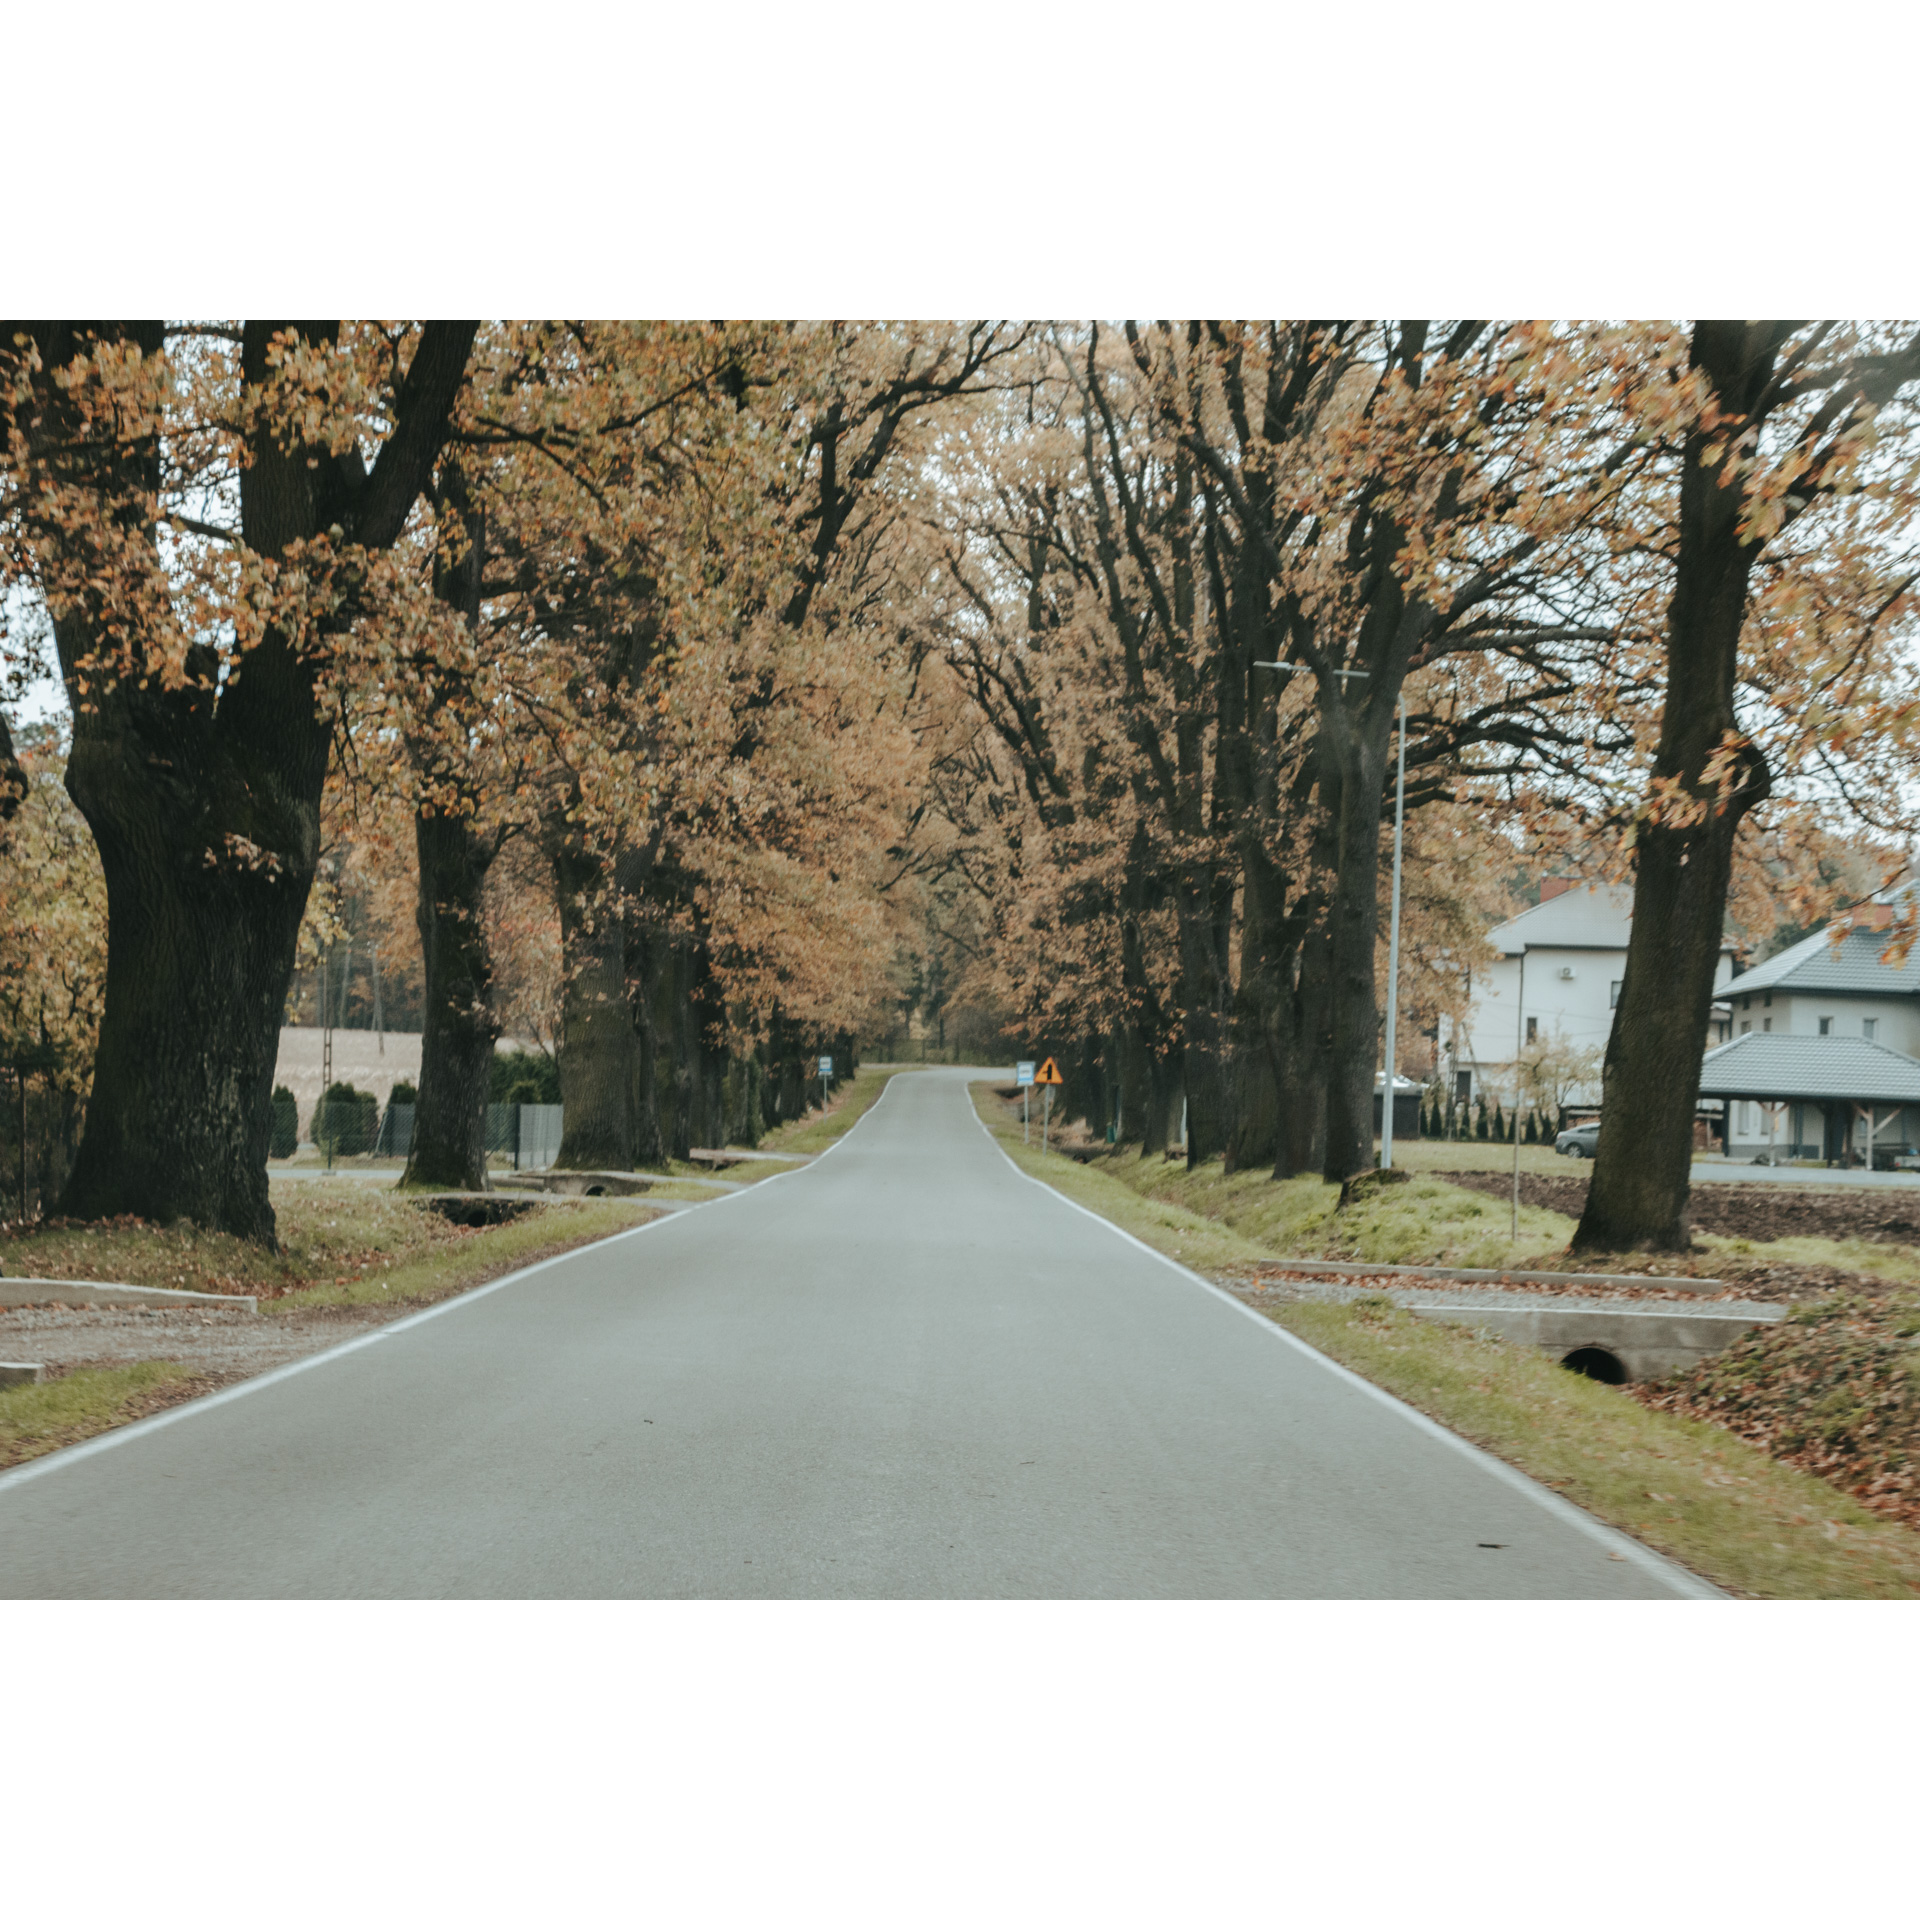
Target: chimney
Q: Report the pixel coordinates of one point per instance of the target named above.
(1554, 888)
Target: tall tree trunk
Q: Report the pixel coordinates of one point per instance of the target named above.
(644, 945)
(596, 1024)
(1309, 1059)
(1204, 1022)
(1148, 1076)
(684, 1066)
(198, 964)
(1353, 1004)
(1639, 1192)
(458, 1022)
(1262, 1011)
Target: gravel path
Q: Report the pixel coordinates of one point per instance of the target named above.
(214, 1340)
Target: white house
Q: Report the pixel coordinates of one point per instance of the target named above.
(1552, 973)
(1834, 1102)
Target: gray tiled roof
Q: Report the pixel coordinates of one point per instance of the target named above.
(1812, 966)
(1807, 1066)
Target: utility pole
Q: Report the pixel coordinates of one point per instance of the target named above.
(326, 1052)
(1393, 952)
(1519, 1041)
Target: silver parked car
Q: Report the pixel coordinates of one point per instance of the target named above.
(1581, 1142)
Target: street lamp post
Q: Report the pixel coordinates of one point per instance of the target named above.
(1519, 1046)
(1393, 932)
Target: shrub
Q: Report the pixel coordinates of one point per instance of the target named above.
(345, 1119)
(530, 1079)
(286, 1124)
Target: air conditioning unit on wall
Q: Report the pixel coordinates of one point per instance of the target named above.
(1569, 973)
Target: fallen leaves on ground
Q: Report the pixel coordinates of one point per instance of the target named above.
(1833, 1390)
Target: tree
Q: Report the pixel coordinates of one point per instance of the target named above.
(1381, 508)
(1774, 423)
(201, 658)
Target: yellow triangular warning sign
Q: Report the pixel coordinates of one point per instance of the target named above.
(1048, 1076)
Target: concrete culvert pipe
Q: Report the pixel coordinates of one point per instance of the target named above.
(1597, 1364)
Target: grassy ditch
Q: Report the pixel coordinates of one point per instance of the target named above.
(58, 1413)
(1714, 1502)
(1698, 1488)
(1427, 1220)
(1423, 1220)
(343, 1242)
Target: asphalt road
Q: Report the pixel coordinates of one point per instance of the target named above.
(905, 1370)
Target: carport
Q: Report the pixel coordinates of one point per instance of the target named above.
(1828, 1097)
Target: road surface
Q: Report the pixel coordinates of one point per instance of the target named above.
(905, 1370)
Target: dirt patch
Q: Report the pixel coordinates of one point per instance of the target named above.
(467, 1210)
(1746, 1212)
(215, 1345)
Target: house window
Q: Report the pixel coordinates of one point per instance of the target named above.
(1746, 1026)
(1533, 1029)
(1826, 1023)
(1745, 1002)
(1766, 1000)
(1613, 996)
(1766, 1026)
(1868, 1028)
(1463, 1085)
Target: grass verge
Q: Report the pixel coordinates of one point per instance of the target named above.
(1694, 1490)
(341, 1243)
(1425, 1221)
(1725, 1508)
(57, 1413)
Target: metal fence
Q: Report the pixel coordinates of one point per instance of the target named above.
(523, 1136)
(527, 1135)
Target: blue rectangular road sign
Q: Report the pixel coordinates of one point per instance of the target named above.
(1023, 1073)
(826, 1066)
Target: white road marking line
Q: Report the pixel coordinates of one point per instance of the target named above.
(1686, 1585)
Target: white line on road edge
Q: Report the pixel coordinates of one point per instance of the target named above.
(1689, 1586)
(134, 1429)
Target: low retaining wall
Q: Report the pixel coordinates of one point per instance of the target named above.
(1645, 1344)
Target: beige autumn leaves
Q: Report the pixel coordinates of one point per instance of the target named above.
(820, 651)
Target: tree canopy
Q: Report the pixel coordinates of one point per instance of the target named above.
(688, 698)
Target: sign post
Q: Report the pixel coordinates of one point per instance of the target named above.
(1023, 1079)
(1048, 1077)
(826, 1078)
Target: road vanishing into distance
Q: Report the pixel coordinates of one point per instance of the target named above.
(904, 1371)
